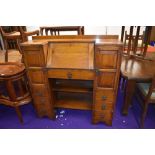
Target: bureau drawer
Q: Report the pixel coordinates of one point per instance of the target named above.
(39, 90)
(106, 59)
(71, 74)
(36, 76)
(106, 79)
(103, 106)
(103, 116)
(43, 106)
(104, 95)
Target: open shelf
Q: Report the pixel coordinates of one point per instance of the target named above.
(73, 104)
(73, 101)
(76, 86)
(73, 89)
(72, 94)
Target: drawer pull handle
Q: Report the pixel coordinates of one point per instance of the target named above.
(104, 106)
(69, 75)
(104, 97)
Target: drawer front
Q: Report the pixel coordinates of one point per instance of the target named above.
(34, 58)
(71, 74)
(41, 104)
(100, 116)
(36, 76)
(39, 90)
(104, 96)
(106, 79)
(106, 59)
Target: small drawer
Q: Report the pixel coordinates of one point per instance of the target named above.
(103, 106)
(71, 74)
(104, 95)
(39, 90)
(36, 76)
(100, 116)
(106, 79)
(105, 59)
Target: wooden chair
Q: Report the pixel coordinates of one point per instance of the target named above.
(25, 34)
(55, 30)
(139, 48)
(132, 46)
(15, 35)
(146, 92)
(14, 90)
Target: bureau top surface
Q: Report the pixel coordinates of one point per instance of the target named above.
(95, 41)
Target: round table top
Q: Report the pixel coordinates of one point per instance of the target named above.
(137, 69)
(10, 68)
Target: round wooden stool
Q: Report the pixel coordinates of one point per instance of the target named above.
(14, 90)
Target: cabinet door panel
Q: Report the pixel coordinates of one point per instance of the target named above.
(105, 59)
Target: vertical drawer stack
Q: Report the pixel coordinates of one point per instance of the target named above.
(35, 62)
(107, 65)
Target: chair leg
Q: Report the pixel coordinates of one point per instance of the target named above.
(143, 115)
(123, 84)
(6, 48)
(19, 114)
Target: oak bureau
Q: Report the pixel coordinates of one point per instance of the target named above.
(79, 72)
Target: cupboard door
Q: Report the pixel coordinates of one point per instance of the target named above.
(106, 59)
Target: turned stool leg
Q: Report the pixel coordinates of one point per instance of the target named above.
(19, 114)
(12, 96)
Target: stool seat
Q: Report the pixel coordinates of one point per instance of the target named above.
(14, 89)
(11, 68)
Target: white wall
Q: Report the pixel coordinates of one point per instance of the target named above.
(98, 30)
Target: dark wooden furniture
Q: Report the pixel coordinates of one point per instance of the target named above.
(80, 73)
(130, 37)
(136, 49)
(25, 33)
(135, 70)
(12, 44)
(15, 36)
(146, 93)
(55, 30)
(14, 90)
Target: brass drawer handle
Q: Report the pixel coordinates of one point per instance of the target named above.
(104, 106)
(104, 97)
(69, 75)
